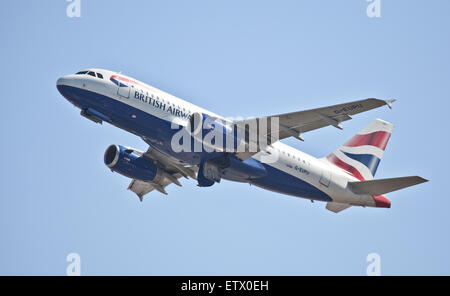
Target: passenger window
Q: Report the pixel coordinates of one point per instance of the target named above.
(91, 73)
(99, 75)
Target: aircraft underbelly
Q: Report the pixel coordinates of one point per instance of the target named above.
(282, 182)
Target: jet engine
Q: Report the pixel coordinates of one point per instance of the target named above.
(229, 167)
(212, 132)
(130, 163)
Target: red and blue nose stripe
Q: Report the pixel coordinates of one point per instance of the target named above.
(117, 82)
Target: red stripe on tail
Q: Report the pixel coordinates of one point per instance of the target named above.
(378, 139)
(345, 166)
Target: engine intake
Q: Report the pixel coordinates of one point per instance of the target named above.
(131, 163)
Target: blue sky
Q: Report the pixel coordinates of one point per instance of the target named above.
(237, 59)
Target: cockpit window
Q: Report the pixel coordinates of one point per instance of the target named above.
(93, 74)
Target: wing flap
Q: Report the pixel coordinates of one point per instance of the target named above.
(383, 186)
(141, 188)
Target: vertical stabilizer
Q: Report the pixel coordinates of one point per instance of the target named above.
(361, 155)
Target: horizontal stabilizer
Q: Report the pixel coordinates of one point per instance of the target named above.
(337, 207)
(383, 186)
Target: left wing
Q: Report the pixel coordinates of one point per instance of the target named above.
(296, 123)
(170, 172)
(170, 165)
(141, 188)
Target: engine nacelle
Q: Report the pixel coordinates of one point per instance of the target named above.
(213, 132)
(129, 163)
(231, 168)
(241, 170)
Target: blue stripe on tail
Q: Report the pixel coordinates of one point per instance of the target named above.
(369, 160)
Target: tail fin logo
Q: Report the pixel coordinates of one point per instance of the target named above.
(369, 160)
(361, 155)
(378, 139)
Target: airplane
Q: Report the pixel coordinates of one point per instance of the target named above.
(343, 179)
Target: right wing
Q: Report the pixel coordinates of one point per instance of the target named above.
(296, 123)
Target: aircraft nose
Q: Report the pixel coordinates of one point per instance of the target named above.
(62, 81)
(63, 85)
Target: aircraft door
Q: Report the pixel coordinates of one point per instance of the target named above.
(123, 90)
(325, 179)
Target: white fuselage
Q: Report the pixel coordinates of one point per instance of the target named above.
(316, 172)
